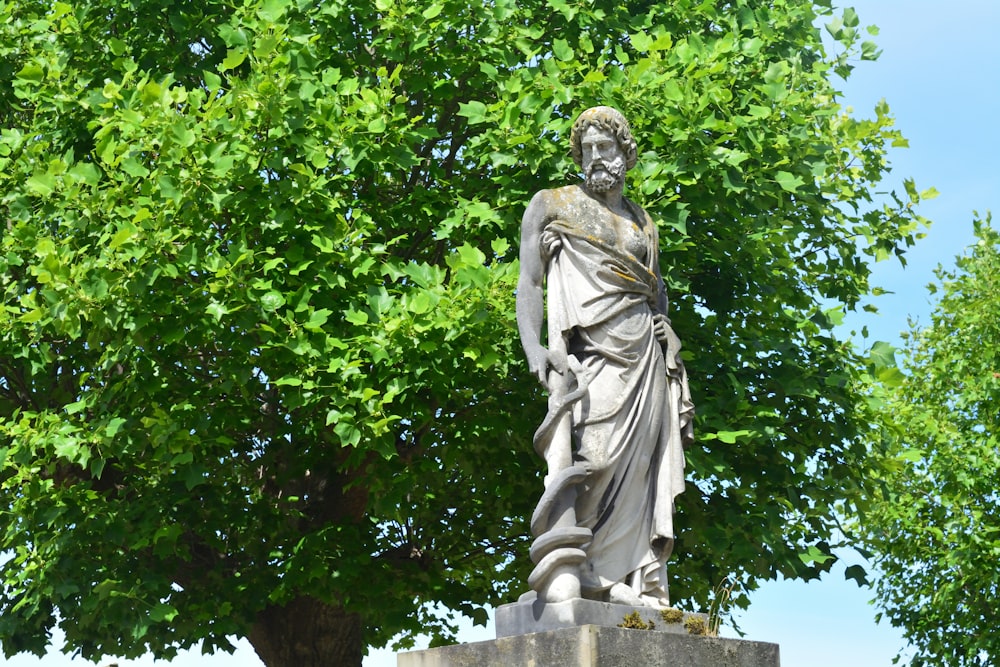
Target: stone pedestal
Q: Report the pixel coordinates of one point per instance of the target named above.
(523, 618)
(595, 646)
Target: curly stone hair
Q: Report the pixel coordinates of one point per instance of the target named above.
(609, 120)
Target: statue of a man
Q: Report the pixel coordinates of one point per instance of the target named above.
(619, 407)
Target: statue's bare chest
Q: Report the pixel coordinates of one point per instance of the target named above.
(594, 220)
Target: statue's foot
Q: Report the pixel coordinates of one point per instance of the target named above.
(623, 594)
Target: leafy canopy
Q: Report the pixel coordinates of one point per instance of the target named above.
(257, 270)
(935, 524)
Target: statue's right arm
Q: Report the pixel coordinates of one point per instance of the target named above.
(530, 298)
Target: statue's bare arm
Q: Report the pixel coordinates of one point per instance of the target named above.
(530, 296)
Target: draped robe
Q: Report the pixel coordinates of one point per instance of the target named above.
(634, 417)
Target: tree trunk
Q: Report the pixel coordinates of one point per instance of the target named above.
(307, 633)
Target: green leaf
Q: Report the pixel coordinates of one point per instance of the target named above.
(858, 574)
(31, 72)
(357, 317)
(870, 50)
(562, 50)
(32, 316)
(891, 377)
(672, 91)
(42, 184)
(835, 27)
(271, 11)
(422, 302)
(151, 92)
(234, 58)
(834, 316)
(474, 111)
(317, 319)
(882, 355)
(86, 172)
(111, 430)
(814, 555)
(121, 237)
(777, 72)
(348, 433)
(162, 612)
(730, 437)
(117, 46)
(272, 301)
(68, 449)
(212, 80)
(500, 246)
(134, 168)
(641, 41)
(183, 134)
(470, 255)
(912, 455)
(788, 181)
(216, 310)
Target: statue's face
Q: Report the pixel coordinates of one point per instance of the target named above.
(603, 159)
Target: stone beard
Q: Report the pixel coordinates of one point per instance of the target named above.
(603, 177)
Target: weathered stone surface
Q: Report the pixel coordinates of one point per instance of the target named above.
(594, 646)
(522, 618)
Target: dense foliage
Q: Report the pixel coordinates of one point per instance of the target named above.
(935, 524)
(257, 348)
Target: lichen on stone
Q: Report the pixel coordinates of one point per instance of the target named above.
(671, 615)
(695, 625)
(633, 621)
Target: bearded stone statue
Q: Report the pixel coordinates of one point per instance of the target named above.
(592, 315)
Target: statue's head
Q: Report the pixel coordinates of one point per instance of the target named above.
(608, 120)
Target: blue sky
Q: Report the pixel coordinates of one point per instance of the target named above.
(940, 73)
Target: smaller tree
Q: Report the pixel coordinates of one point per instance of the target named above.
(935, 522)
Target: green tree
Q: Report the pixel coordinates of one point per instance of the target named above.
(259, 372)
(935, 525)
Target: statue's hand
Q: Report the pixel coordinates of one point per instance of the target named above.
(665, 334)
(538, 364)
(550, 243)
(661, 328)
(541, 360)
